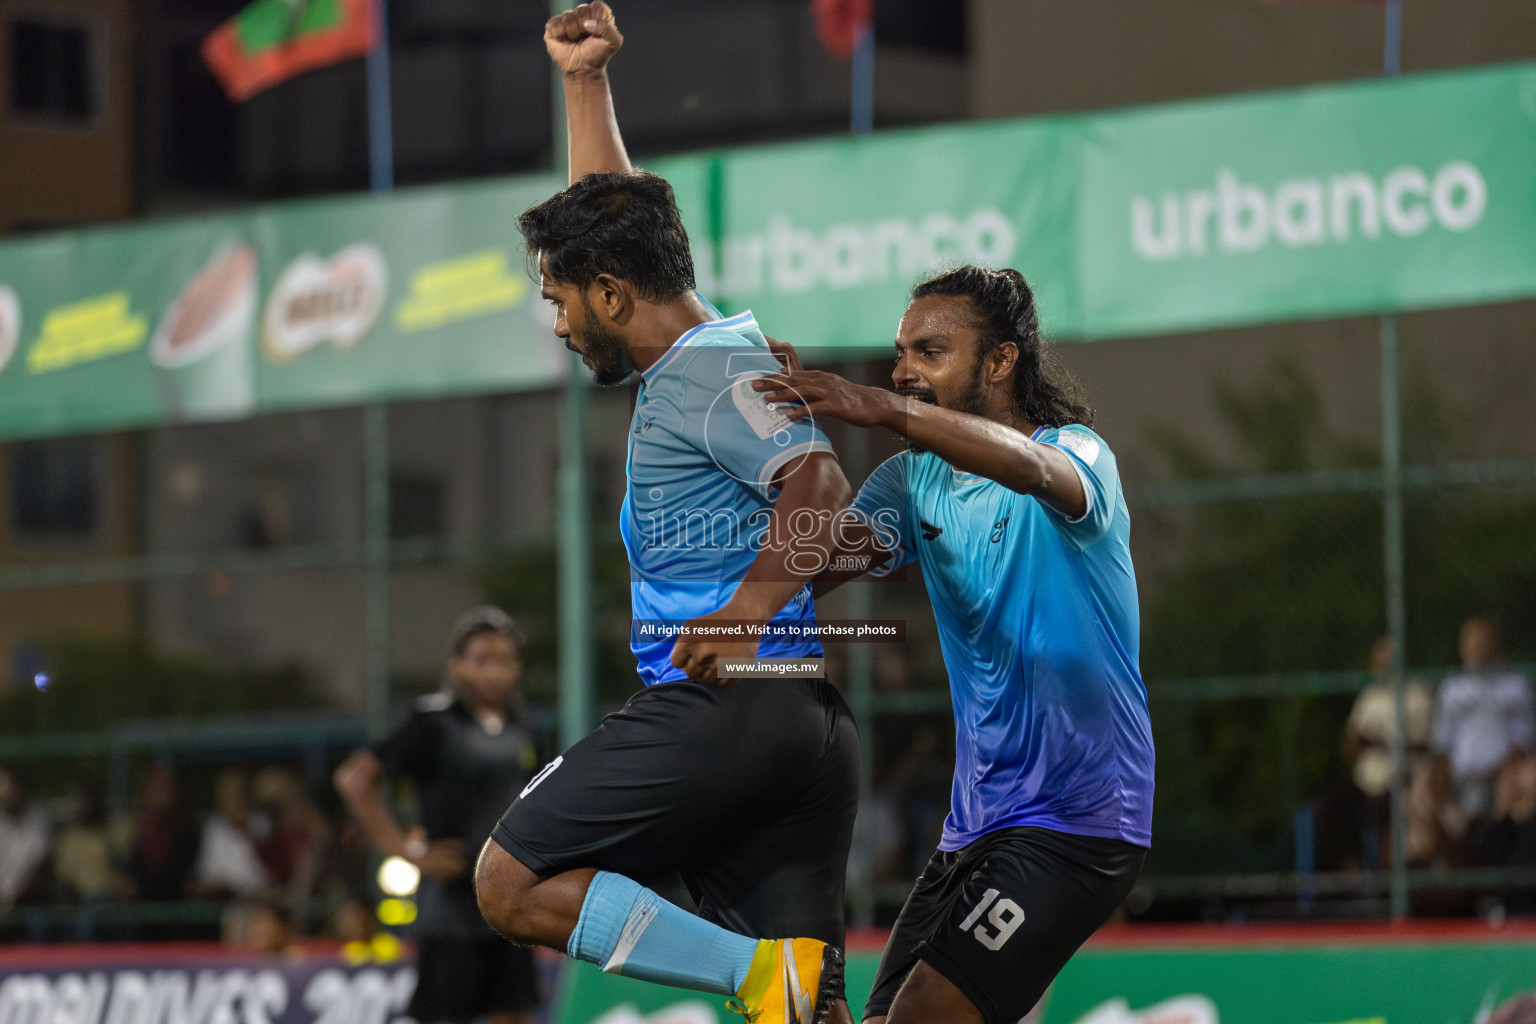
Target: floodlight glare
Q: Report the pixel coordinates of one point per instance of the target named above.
(398, 876)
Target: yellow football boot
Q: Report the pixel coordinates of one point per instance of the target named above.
(791, 981)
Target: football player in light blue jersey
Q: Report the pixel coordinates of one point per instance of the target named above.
(704, 454)
(747, 792)
(1012, 506)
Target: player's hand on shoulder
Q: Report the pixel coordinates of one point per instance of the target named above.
(785, 353)
(812, 393)
(584, 39)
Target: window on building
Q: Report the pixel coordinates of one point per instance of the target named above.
(938, 26)
(56, 490)
(53, 70)
(196, 144)
(418, 507)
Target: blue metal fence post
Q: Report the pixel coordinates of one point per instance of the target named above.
(381, 132)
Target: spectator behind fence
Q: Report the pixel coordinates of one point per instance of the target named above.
(228, 861)
(362, 940)
(1353, 815)
(165, 841)
(84, 868)
(264, 925)
(914, 764)
(1507, 838)
(353, 923)
(1373, 721)
(1438, 837)
(24, 837)
(1437, 824)
(878, 853)
(1481, 714)
(294, 852)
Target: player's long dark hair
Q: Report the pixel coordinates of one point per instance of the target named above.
(1044, 391)
(623, 223)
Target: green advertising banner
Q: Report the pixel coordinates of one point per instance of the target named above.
(426, 293)
(1396, 983)
(1341, 200)
(325, 303)
(824, 240)
(1369, 198)
(78, 317)
(1317, 982)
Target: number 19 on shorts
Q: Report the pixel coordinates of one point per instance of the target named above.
(1003, 919)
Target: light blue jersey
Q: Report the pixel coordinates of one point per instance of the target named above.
(1040, 632)
(704, 449)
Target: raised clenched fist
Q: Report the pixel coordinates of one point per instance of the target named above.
(582, 40)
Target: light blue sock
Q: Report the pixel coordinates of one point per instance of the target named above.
(626, 929)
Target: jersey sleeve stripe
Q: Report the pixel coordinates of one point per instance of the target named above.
(743, 321)
(1082, 475)
(773, 465)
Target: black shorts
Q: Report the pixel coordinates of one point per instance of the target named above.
(748, 792)
(1001, 917)
(460, 979)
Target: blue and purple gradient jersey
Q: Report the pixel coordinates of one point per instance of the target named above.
(1040, 632)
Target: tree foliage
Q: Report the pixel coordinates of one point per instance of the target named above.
(1296, 585)
(525, 582)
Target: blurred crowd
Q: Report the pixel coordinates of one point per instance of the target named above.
(263, 843)
(1470, 787)
(287, 860)
(901, 820)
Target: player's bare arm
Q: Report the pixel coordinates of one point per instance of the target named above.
(795, 549)
(581, 42)
(969, 442)
(859, 550)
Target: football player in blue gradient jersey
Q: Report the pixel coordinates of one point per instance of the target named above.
(1012, 505)
(747, 792)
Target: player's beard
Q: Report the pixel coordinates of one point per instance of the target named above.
(972, 399)
(606, 354)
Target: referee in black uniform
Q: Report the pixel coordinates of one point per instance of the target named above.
(468, 754)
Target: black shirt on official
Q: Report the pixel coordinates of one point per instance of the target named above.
(465, 777)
